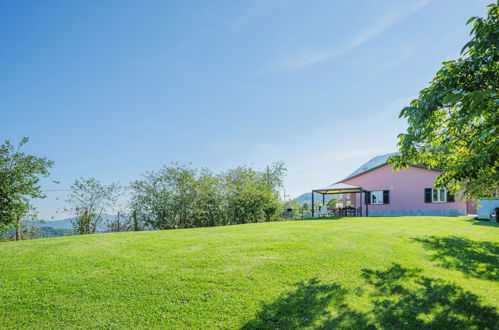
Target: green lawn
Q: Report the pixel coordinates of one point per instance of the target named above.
(408, 272)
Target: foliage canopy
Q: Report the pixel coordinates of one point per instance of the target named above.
(20, 176)
(178, 196)
(453, 124)
(87, 200)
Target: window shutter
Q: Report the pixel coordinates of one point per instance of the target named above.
(450, 198)
(427, 195)
(368, 197)
(386, 196)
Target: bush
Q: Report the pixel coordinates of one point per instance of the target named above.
(181, 197)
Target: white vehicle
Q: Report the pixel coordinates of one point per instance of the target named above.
(487, 207)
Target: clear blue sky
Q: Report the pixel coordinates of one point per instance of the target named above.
(111, 89)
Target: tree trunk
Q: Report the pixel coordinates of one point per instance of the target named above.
(18, 229)
(134, 220)
(118, 221)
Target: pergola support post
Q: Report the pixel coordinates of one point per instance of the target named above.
(367, 207)
(360, 202)
(313, 207)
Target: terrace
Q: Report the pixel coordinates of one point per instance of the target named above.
(341, 188)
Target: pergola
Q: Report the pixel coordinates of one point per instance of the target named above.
(340, 188)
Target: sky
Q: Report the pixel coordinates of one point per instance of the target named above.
(112, 89)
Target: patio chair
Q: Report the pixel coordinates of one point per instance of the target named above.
(323, 211)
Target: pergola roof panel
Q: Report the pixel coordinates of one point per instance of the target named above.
(338, 188)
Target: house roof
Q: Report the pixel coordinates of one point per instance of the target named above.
(380, 161)
(371, 164)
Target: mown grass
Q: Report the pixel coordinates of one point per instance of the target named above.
(407, 272)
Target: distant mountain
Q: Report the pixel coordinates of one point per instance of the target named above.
(45, 232)
(56, 224)
(307, 198)
(66, 224)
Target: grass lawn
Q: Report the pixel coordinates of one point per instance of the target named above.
(407, 272)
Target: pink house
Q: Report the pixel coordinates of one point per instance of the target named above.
(375, 189)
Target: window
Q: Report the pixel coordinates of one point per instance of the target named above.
(439, 195)
(377, 197)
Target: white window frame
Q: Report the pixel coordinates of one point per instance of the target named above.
(378, 199)
(439, 198)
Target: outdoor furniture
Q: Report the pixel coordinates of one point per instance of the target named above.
(323, 211)
(351, 211)
(348, 211)
(342, 188)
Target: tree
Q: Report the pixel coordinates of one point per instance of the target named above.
(294, 212)
(453, 124)
(272, 180)
(20, 176)
(22, 227)
(209, 201)
(134, 221)
(253, 195)
(181, 180)
(164, 199)
(119, 223)
(333, 201)
(87, 201)
(126, 222)
(244, 201)
(150, 201)
(179, 197)
(304, 209)
(273, 175)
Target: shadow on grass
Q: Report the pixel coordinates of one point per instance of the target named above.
(306, 306)
(401, 298)
(487, 223)
(474, 258)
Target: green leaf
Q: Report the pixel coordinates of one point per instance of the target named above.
(453, 123)
(471, 20)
